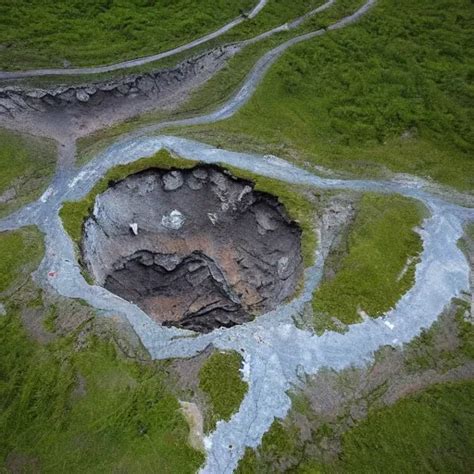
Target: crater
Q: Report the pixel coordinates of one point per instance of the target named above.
(197, 249)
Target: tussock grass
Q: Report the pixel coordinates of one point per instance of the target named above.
(221, 380)
(379, 265)
(26, 166)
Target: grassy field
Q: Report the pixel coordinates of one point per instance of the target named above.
(390, 93)
(223, 85)
(376, 265)
(429, 432)
(42, 33)
(86, 411)
(220, 379)
(20, 253)
(26, 167)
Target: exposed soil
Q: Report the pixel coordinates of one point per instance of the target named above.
(197, 249)
(70, 112)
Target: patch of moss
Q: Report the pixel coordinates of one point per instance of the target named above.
(380, 264)
(20, 253)
(27, 164)
(429, 432)
(220, 379)
(89, 410)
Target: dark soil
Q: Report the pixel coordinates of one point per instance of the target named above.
(197, 249)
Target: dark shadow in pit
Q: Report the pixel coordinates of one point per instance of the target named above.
(197, 249)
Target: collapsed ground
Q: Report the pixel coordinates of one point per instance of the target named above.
(81, 371)
(198, 249)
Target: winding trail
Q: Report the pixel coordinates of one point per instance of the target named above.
(276, 353)
(6, 75)
(253, 79)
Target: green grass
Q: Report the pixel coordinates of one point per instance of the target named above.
(279, 445)
(20, 253)
(42, 33)
(88, 411)
(298, 206)
(220, 379)
(431, 432)
(224, 84)
(391, 92)
(428, 432)
(26, 167)
(74, 213)
(369, 277)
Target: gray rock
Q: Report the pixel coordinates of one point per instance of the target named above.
(172, 181)
(3, 311)
(168, 261)
(200, 173)
(264, 220)
(174, 220)
(194, 183)
(219, 179)
(82, 96)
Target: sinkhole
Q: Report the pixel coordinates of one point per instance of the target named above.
(197, 249)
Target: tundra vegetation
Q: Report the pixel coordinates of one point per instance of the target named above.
(416, 434)
(220, 379)
(27, 164)
(374, 265)
(45, 33)
(390, 93)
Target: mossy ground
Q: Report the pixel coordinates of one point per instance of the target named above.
(349, 102)
(26, 166)
(377, 265)
(44, 33)
(221, 380)
(20, 253)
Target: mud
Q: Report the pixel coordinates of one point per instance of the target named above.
(196, 249)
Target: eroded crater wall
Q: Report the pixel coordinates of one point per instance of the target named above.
(196, 248)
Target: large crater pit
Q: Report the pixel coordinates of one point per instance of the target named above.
(197, 249)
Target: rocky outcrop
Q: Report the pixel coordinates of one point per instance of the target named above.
(205, 251)
(15, 99)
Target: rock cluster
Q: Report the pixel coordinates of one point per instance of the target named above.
(205, 250)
